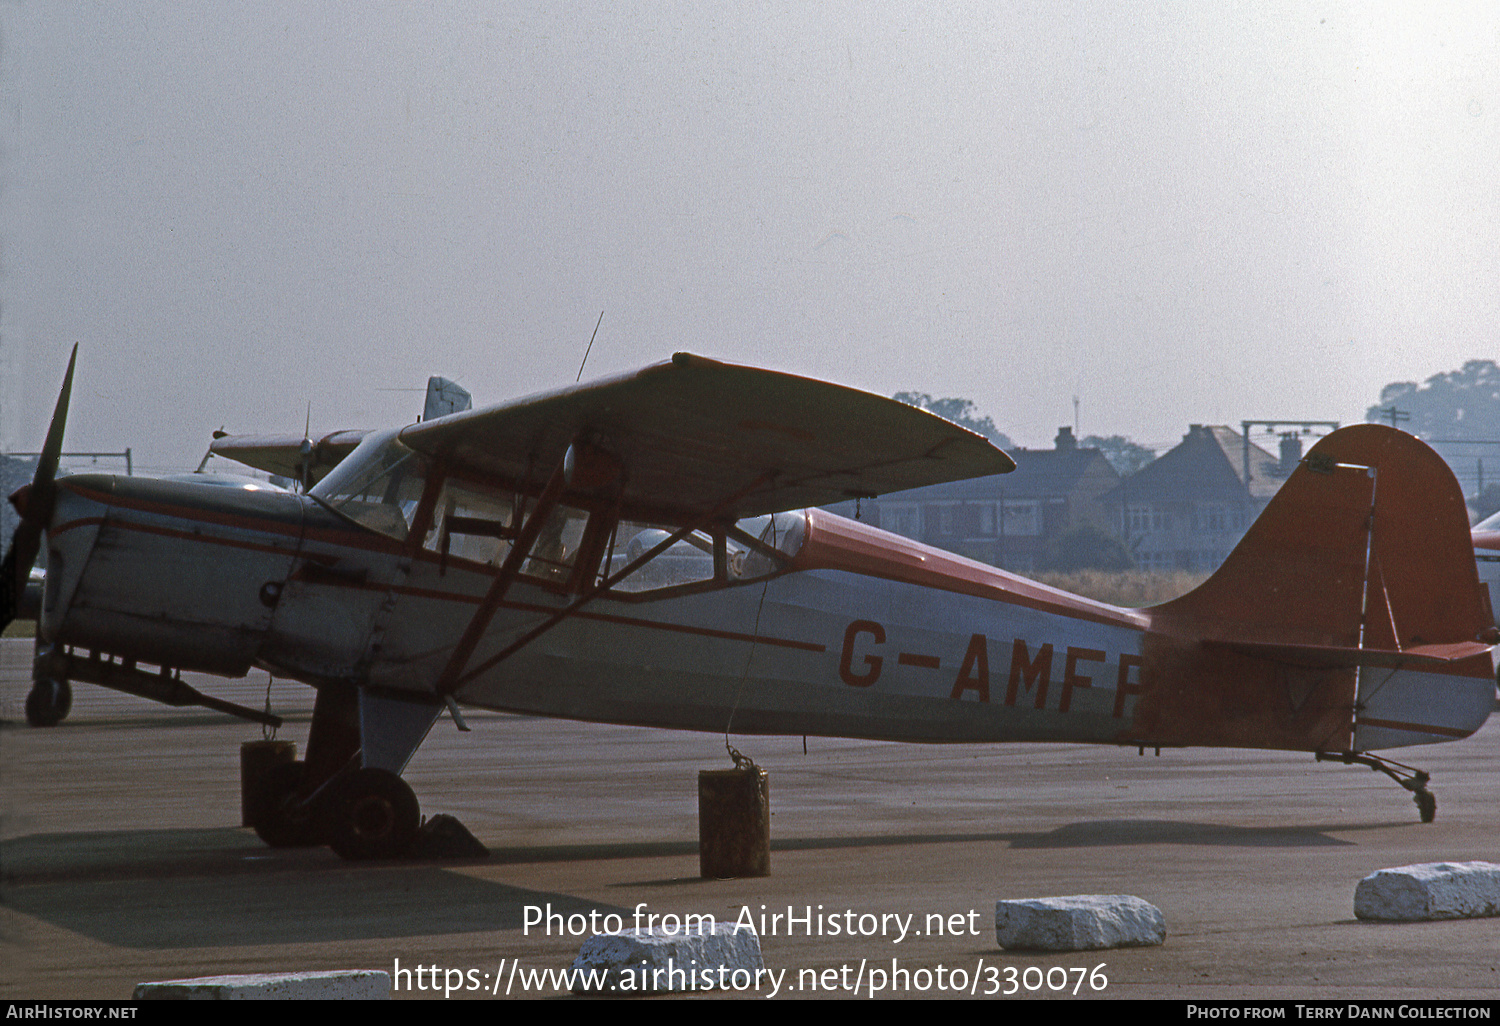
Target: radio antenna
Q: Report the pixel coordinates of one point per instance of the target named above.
(590, 348)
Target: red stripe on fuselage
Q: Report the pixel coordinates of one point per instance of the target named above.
(837, 543)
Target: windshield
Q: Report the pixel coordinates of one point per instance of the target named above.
(378, 485)
(1489, 523)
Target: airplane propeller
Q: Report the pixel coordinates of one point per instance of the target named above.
(305, 453)
(35, 503)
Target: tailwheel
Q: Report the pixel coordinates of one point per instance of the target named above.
(48, 703)
(1409, 777)
(282, 820)
(1426, 804)
(373, 815)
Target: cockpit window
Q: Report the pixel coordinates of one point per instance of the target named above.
(780, 536)
(473, 523)
(688, 561)
(378, 485)
(557, 548)
(751, 549)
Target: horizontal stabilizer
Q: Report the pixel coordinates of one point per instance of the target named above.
(1335, 657)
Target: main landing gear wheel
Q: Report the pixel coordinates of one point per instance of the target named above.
(48, 702)
(284, 823)
(374, 815)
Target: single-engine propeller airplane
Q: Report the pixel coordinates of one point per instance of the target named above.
(645, 550)
(1486, 535)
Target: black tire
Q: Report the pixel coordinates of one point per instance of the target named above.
(283, 823)
(373, 815)
(48, 702)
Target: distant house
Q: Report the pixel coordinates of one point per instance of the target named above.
(1189, 508)
(1006, 519)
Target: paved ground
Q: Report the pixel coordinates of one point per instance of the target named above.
(123, 861)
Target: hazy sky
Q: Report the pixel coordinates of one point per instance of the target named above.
(1178, 213)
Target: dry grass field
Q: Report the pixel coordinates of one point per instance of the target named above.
(1124, 587)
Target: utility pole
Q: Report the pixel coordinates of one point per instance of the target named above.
(1479, 460)
(1394, 415)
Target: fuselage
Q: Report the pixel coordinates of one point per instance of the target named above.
(801, 623)
(856, 633)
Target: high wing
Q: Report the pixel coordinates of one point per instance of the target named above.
(694, 435)
(283, 454)
(293, 456)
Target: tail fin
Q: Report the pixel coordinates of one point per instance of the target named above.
(445, 397)
(1355, 599)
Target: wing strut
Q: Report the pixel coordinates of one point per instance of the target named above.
(448, 680)
(609, 582)
(457, 672)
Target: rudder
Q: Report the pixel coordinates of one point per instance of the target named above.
(1361, 565)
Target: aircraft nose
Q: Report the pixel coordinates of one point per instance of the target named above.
(167, 572)
(70, 540)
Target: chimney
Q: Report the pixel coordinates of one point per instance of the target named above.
(1291, 452)
(1065, 442)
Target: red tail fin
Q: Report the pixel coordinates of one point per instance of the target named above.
(1362, 560)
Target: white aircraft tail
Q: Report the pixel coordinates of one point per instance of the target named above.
(445, 397)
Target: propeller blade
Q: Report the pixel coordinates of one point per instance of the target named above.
(37, 511)
(39, 504)
(16, 569)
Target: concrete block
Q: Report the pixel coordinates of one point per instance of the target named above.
(1078, 922)
(341, 985)
(1430, 890)
(703, 956)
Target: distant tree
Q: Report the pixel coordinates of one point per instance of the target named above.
(1458, 404)
(1124, 455)
(959, 411)
(1085, 547)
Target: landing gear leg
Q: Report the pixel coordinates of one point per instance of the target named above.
(373, 814)
(1409, 777)
(349, 793)
(292, 813)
